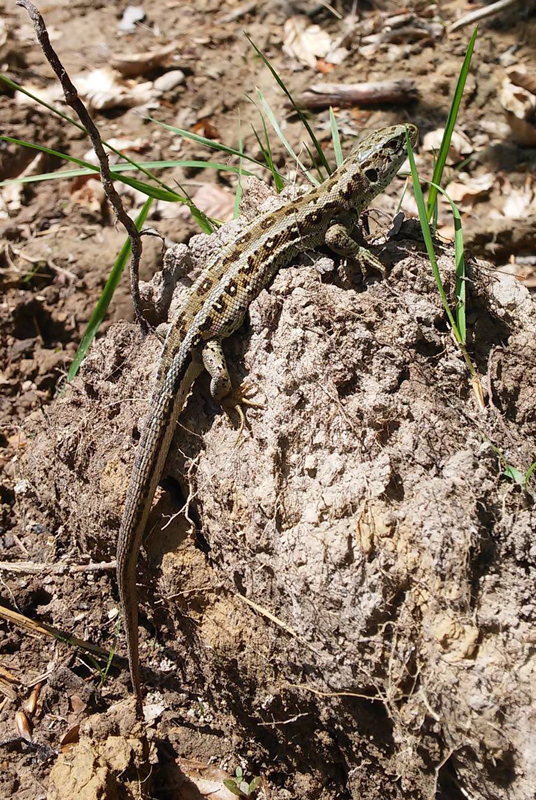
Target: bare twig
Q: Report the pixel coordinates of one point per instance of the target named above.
(56, 569)
(322, 95)
(42, 628)
(482, 13)
(72, 99)
(241, 11)
(266, 613)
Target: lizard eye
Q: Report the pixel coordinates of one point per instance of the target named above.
(372, 175)
(394, 144)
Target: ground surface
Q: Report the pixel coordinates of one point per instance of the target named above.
(364, 506)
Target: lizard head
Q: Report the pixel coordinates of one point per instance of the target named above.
(377, 159)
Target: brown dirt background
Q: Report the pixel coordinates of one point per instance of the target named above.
(364, 506)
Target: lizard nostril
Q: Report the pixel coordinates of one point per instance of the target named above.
(372, 175)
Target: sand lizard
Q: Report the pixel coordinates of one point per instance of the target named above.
(215, 307)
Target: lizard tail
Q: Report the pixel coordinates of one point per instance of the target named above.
(148, 466)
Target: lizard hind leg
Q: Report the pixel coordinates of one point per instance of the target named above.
(339, 240)
(221, 387)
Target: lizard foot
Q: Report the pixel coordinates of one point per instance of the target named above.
(368, 261)
(237, 399)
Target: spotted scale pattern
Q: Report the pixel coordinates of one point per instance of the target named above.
(215, 308)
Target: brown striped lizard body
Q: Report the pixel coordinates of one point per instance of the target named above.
(215, 307)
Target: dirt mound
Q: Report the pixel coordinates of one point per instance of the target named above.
(350, 593)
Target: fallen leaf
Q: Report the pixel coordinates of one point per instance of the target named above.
(136, 64)
(519, 203)
(11, 195)
(31, 703)
(138, 145)
(22, 724)
(152, 711)
(215, 201)
(169, 80)
(88, 192)
(520, 77)
(49, 94)
(77, 704)
(305, 42)
(517, 100)
(466, 191)
(522, 132)
(71, 738)
(104, 88)
(131, 15)
(460, 146)
(206, 128)
(324, 66)
(495, 128)
(205, 781)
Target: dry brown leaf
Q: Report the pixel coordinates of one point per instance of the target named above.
(215, 201)
(206, 128)
(88, 192)
(467, 191)
(305, 42)
(49, 94)
(497, 129)
(138, 145)
(519, 203)
(324, 66)
(11, 195)
(131, 16)
(460, 146)
(136, 64)
(23, 726)
(31, 703)
(205, 780)
(104, 88)
(516, 100)
(71, 738)
(77, 704)
(520, 77)
(523, 132)
(169, 80)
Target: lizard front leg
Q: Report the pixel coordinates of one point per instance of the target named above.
(339, 240)
(221, 387)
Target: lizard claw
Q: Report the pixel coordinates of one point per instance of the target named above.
(237, 399)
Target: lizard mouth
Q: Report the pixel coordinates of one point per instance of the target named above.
(413, 133)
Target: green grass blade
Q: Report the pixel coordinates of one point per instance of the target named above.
(275, 125)
(117, 168)
(164, 194)
(514, 474)
(427, 236)
(106, 296)
(18, 88)
(195, 137)
(56, 153)
(529, 472)
(152, 191)
(314, 161)
(449, 127)
(238, 193)
(337, 149)
(198, 215)
(299, 112)
(460, 285)
(267, 152)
